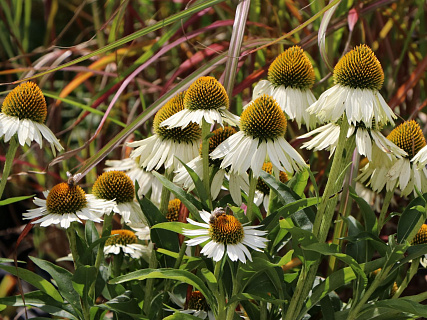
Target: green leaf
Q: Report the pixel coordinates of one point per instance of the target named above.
(210, 280)
(164, 22)
(409, 218)
(124, 304)
(35, 280)
(334, 250)
(83, 277)
(299, 182)
(336, 280)
(62, 279)
(42, 301)
(162, 238)
(247, 296)
(91, 234)
(173, 274)
(181, 316)
(301, 239)
(371, 223)
(192, 204)
(14, 199)
(198, 183)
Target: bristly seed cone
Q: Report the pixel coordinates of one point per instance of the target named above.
(206, 93)
(218, 136)
(26, 101)
(263, 119)
(292, 69)
(173, 210)
(409, 137)
(64, 198)
(360, 69)
(190, 133)
(225, 229)
(197, 301)
(114, 185)
(122, 237)
(421, 236)
(268, 167)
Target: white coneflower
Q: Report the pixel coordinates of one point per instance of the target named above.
(421, 238)
(261, 135)
(197, 305)
(126, 242)
(401, 172)
(262, 192)
(225, 234)
(205, 99)
(290, 78)
(23, 113)
(117, 186)
(146, 180)
(167, 144)
(367, 139)
(66, 203)
(236, 182)
(358, 78)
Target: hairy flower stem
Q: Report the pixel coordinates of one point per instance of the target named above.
(384, 209)
(71, 234)
(345, 208)
(206, 130)
(252, 187)
(411, 273)
(379, 279)
(220, 297)
(106, 231)
(231, 309)
(149, 285)
(168, 283)
(325, 212)
(10, 155)
(164, 199)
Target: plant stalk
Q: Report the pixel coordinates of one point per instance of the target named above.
(10, 155)
(252, 187)
(206, 130)
(164, 199)
(384, 209)
(325, 212)
(152, 264)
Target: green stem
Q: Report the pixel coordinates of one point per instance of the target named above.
(384, 209)
(206, 130)
(106, 231)
(164, 199)
(168, 283)
(117, 264)
(263, 310)
(375, 284)
(231, 309)
(221, 295)
(252, 187)
(149, 284)
(10, 155)
(345, 208)
(412, 271)
(97, 23)
(325, 212)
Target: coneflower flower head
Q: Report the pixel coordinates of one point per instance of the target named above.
(292, 69)
(358, 77)
(223, 233)
(399, 172)
(198, 301)
(124, 241)
(262, 128)
(290, 77)
(236, 182)
(409, 137)
(168, 144)
(421, 238)
(116, 185)
(205, 99)
(173, 210)
(66, 203)
(24, 112)
(192, 132)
